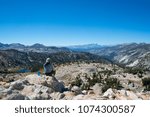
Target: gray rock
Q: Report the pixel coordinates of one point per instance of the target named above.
(37, 92)
(2, 93)
(97, 89)
(8, 78)
(84, 92)
(45, 96)
(109, 94)
(1, 88)
(16, 97)
(25, 82)
(42, 89)
(35, 97)
(7, 85)
(54, 84)
(76, 90)
(18, 85)
(28, 90)
(123, 92)
(47, 81)
(57, 95)
(131, 95)
(8, 91)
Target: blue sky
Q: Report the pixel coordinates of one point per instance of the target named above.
(74, 22)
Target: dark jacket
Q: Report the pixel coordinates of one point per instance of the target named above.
(48, 67)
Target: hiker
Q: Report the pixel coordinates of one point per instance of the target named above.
(49, 68)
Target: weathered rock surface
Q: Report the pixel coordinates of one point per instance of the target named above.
(57, 95)
(18, 85)
(66, 86)
(17, 97)
(47, 81)
(32, 87)
(109, 94)
(97, 89)
(76, 90)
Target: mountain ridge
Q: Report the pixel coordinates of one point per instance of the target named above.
(40, 48)
(127, 54)
(130, 55)
(13, 60)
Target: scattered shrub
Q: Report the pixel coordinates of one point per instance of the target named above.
(111, 83)
(106, 83)
(146, 83)
(135, 71)
(78, 82)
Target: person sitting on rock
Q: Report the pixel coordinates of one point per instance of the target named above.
(49, 68)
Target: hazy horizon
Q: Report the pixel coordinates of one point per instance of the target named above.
(75, 22)
(76, 44)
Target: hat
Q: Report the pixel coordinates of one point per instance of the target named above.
(48, 60)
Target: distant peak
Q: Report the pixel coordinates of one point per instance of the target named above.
(37, 45)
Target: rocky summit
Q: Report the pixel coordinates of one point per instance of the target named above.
(76, 81)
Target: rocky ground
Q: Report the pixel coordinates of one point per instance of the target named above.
(82, 81)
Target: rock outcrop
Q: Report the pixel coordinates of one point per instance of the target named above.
(74, 82)
(32, 87)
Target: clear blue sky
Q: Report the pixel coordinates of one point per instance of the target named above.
(73, 22)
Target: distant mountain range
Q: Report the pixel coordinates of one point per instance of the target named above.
(33, 48)
(86, 47)
(17, 56)
(130, 55)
